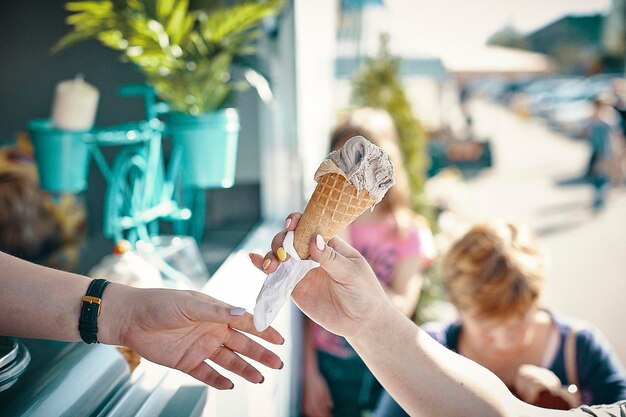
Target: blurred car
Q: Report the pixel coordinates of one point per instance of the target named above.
(571, 118)
(561, 90)
(570, 113)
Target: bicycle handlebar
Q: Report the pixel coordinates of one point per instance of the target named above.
(152, 107)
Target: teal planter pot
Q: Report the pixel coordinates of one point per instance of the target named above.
(208, 145)
(62, 157)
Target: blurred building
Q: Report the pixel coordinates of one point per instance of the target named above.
(614, 31)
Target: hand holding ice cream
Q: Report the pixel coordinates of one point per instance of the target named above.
(352, 179)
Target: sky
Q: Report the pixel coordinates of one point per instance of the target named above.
(433, 25)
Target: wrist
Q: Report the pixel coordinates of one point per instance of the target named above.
(375, 326)
(115, 314)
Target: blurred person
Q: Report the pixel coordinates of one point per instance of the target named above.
(619, 90)
(175, 328)
(494, 276)
(28, 228)
(619, 104)
(398, 244)
(601, 133)
(344, 296)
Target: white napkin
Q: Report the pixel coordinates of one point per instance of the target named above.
(279, 285)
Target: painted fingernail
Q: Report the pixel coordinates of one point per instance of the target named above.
(237, 311)
(319, 242)
(266, 263)
(282, 255)
(287, 223)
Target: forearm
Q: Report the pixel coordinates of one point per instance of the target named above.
(45, 303)
(428, 375)
(309, 354)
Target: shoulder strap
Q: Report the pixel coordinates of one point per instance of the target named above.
(571, 370)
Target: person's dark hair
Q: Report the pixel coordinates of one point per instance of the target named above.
(28, 228)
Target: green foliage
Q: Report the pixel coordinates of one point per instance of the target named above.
(185, 50)
(377, 84)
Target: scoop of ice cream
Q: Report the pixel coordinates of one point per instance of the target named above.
(364, 164)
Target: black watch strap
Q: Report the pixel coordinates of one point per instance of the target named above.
(90, 310)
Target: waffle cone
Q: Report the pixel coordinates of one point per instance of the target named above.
(335, 204)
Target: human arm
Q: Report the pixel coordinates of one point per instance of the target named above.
(316, 398)
(344, 296)
(406, 284)
(178, 329)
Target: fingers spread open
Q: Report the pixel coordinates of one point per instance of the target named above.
(205, 308)
(246, 325)
(227, 359)
(204, 373)
(242, 344)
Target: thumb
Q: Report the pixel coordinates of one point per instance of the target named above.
(334, 257)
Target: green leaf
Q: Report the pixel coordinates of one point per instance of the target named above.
(164, 8)
(185, 53)
(176, 25)
(71, 39)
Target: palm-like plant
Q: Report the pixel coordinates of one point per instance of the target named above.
(185, 50)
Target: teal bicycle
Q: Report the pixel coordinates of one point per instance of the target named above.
(141, 189)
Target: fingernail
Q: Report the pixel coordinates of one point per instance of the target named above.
(262, 379)
(282, 255)
(319, 242)
(287, 223)
(232, 386)
(237, 311)
(266, 263)
(282, 365)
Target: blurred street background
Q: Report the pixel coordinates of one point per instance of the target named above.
(535, 181)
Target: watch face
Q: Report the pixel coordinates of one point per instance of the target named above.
(8, 350)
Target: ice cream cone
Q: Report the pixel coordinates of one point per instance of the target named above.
(335, 204)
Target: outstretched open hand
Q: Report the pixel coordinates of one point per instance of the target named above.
(181, 329)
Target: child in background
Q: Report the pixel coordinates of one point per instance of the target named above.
(398, 244)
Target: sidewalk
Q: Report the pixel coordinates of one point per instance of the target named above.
(531, 183)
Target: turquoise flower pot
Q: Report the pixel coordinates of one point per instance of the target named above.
(62, 157)
(208, 144)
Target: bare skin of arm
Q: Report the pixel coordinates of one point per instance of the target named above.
(316, 398)
(406, 285)
(178, 329)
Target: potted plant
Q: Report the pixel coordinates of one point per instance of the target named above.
(186, 50)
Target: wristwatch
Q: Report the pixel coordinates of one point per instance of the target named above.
(90, 310)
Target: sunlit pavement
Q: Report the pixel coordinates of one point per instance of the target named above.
(531, 183)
